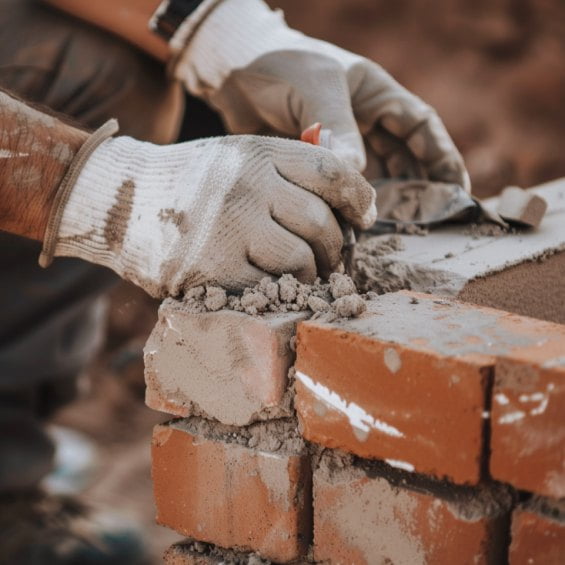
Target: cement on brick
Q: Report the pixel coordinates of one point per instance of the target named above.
(446, 327)
(362, 517)
(227, 365)
(274, 436)
(448, 258)
(192, 552)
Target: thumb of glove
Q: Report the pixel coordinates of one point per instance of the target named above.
(329, 103)
(292, 88)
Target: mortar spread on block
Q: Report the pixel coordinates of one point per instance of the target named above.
(374, 271)
(337, 298)
(273, 436)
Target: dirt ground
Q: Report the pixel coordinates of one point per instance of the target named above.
(494, 70)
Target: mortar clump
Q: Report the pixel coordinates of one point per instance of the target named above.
(476, 231)
(208, 553)
(337, 298)
(216, 298)
(375, 272)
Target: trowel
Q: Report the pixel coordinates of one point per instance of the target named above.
(316, 135)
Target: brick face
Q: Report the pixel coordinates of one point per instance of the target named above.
(193, 361)
(536, 539)
(363, 520)
(408, 382)
(528, 425)
(230, 495)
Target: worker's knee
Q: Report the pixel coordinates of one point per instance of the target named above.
(83, 72)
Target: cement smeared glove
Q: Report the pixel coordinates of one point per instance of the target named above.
(224, 211)
(260, 74)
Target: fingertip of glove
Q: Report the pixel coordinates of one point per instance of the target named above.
(353, 158)
(370, 215)
(466, 182)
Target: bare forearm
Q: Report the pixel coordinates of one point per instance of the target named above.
(36, 150)
(126, 18)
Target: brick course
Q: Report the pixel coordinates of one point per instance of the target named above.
(409, 381)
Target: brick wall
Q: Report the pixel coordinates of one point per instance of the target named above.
(425, 431)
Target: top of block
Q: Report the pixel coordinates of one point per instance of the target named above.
(460, 257)
(451, 328)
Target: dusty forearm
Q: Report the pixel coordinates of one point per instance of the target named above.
(126, 18)
(36, 150)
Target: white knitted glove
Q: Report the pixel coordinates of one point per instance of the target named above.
(261, 75)
(225, 211)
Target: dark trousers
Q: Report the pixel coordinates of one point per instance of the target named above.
(51, 319)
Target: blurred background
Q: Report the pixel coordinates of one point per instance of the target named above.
(495, 72)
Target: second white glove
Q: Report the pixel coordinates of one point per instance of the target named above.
(261, 76)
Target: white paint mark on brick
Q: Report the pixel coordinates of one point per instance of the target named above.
(511, 417)
(534, 397)
(485, 414)
(554, 363)
(358, 418)
(400, 464)
(392, 360)
(501, 398)
(541, 397)
(541, 408)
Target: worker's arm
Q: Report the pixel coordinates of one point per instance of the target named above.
(226, 211)
(35, 151)
(127, 18)
(263, 76)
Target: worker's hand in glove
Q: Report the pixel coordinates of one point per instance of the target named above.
(225, 211)
(261, 75)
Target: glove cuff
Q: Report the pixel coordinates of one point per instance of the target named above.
(125, 209)
(233, 35)
(177, 20)
(67, 184)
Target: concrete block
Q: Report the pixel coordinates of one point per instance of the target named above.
(409, 381)
(226, 365)
(360, 518)
(211, 487)
(528, 422)
(521, 272)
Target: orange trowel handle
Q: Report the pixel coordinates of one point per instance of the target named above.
(323, 137)
(317, 136)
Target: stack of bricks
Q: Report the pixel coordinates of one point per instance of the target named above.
(425, 431)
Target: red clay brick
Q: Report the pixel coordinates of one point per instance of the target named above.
(528, 423)
(193, 362)
(408, 381)
(536, 539)
(231, 495)
(359, 519)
